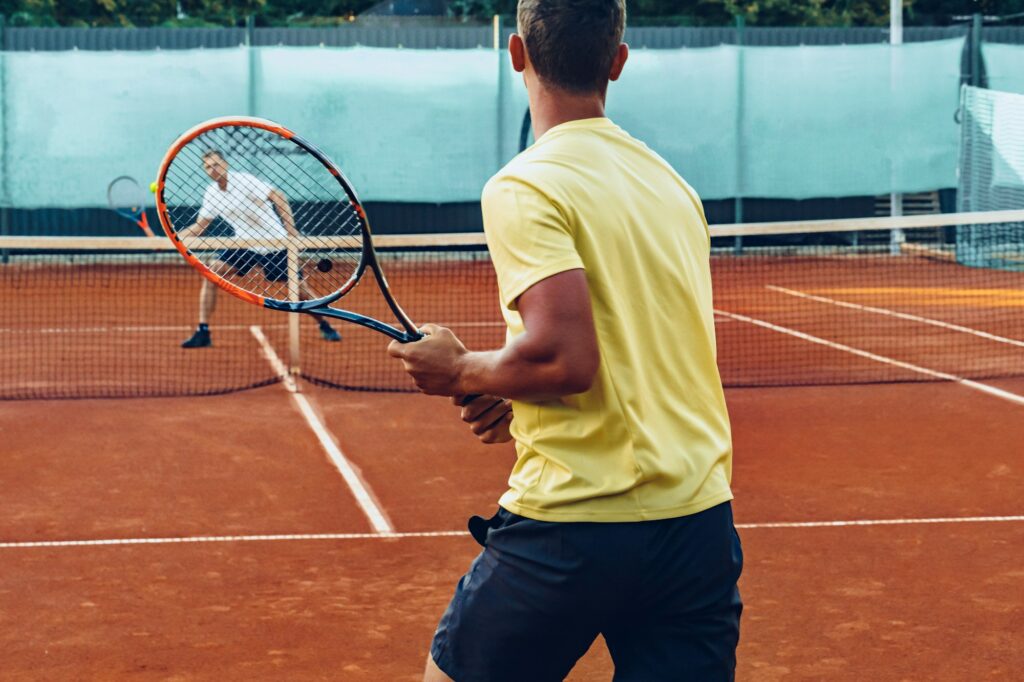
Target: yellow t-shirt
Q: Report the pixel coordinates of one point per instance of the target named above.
(651, 438)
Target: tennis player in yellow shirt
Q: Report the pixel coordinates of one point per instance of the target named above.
(618, 519)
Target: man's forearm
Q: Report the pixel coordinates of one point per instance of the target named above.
(287, 219)
(284, 210)
(193, 230)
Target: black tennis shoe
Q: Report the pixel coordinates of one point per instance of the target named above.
(201, 339)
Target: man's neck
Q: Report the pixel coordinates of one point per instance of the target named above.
(223, 182)
(550, 107)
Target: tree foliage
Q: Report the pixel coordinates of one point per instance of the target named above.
(668, 12)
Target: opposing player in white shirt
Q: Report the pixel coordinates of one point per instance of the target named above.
(253, 208)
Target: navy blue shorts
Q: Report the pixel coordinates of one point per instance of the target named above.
(274, 264)
(662, 593)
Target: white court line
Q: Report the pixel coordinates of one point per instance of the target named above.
(275, 362)
(295, 537)
(894, 313)
(882, 522)
(390, 535)
(967, 383)
(355, 482)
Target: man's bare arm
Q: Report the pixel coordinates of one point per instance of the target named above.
(284, 210)
(196, 229)
(557, 354)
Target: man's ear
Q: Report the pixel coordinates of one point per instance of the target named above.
(621, 55)
(517, 52)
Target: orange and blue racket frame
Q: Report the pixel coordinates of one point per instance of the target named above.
(319, 306)
(136, 214)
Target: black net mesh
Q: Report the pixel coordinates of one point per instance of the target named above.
(794, 307)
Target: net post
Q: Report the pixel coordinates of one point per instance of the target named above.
(294, 349)
(741, 23)
(250, 48)
(499, 147)
(896, 237)
(5, 211)
(895, 22)
(976, 24)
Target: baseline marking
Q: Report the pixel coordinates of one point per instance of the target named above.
(359, 488)
(461, 533)
(935, 374)
(894, 313)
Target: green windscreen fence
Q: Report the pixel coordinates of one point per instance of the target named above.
(1004, 66)
(433, 125)
(991, 176)
(798, 122)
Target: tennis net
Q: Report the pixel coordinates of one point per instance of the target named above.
(806, 303)
(991, 174)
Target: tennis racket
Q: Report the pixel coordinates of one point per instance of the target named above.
(127, 199)
(258, 198)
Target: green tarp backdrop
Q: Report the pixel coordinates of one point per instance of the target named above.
(1004, 65)
(433, 125)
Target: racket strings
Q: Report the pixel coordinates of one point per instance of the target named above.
(328, 219)
(288, 178)
(251, 244)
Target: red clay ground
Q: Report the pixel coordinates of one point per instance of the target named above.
(890, 602)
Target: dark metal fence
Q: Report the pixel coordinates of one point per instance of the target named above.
(457, 37)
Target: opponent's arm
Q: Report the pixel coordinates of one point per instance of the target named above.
(557, 354)
(284, 210)
(196, 229)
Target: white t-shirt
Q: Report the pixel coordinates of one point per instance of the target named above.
(245, 205)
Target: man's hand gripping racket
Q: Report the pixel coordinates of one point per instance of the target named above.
(488, 416)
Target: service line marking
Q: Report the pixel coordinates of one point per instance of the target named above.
(894, 313)
(935, 374)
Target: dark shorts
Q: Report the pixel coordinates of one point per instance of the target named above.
(662, 593)
(274, 264)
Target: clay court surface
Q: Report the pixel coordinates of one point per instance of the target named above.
(901, 601)
(224, 538)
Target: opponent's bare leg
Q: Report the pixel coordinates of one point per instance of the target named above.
(207, 304)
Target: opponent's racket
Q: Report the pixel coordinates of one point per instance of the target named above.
(285, 228)
(127, 199)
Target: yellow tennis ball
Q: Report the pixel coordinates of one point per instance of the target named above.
(152, 187)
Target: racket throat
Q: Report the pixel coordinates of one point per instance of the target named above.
(347, 316)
